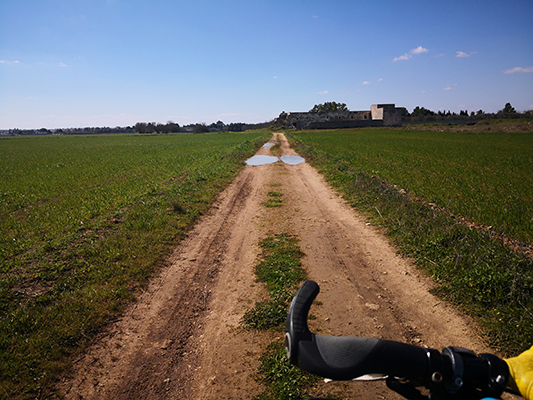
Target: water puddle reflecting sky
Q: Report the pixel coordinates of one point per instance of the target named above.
(262, 160)
(292, 160)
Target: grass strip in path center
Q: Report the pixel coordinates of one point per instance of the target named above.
(281, 271)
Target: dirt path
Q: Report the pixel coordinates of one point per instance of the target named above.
(182, 339)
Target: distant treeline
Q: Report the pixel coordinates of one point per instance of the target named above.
(71, 131)
(423, 114)
(219, 126)
(142, 128)
(417, 115)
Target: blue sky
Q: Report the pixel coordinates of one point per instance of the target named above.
(77, 63)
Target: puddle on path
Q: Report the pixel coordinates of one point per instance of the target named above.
(262, 160)
(292, 160)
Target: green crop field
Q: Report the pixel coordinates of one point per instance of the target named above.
(85, 220)
(484, 177)
(459, 203)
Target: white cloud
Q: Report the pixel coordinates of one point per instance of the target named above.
(324, 92)
(275, 77)
(419, 50)
(404, 57)
(9, 62)
(62, 65)
(462, 54)
(518, 69)
(380, 79)
(366, 83)
(407, 56)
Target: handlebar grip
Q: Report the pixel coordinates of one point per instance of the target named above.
(296, 327)
(455, 371)
(345, 358)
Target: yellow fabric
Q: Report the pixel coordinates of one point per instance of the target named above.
(521, 369)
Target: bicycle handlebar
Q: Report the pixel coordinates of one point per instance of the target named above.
(455, 371)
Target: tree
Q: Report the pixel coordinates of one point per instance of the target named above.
(172, 127)
(329, 107)
(160, 128)
(150, 127)
(508, 109)
(140, 127)
(421, 113)
(235, 127)
(200, 128)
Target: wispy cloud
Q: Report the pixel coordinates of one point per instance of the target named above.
(324, 92)
(450, 87)
(9, 62)
(368, 82)
(407, 56)
(61, 65)
(462, 54)
(518, 69)
(404, 57)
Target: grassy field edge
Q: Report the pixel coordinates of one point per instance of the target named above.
(90, 274)
(475, 271)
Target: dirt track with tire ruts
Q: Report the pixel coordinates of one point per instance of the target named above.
(182, 339)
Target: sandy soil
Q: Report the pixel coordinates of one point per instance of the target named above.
(182, 339)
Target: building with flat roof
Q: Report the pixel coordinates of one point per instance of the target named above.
(379, 115)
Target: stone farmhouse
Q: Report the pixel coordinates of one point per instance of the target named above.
(379, 115)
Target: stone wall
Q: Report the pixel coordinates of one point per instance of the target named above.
(388, 113)
(379, 115)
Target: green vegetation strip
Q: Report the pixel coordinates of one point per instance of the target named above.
(481, 177)
(281, 271)
(275, 200)
(484, 177)
(85, 221)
